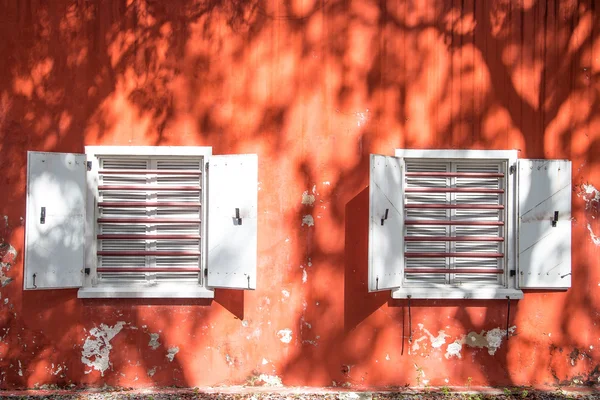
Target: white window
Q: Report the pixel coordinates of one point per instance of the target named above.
(468, 224)
(141, 221)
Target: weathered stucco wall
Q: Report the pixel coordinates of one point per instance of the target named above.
(313, 87)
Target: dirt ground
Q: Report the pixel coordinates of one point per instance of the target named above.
(305, 394)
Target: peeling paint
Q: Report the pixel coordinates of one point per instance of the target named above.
(304, 276)
(593, 236)
(308, 199)
(8, 255)
(285, 335)
(154, 343)
(151, 371)
(436, 341)
(171, 353)
(96, 349)
(265, 380)
(492, 340)
(285, 293)
(308, 220)
(20, 368)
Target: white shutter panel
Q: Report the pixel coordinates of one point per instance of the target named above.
(55, 220)
(232, 214)
(386, 223)
(544, 241)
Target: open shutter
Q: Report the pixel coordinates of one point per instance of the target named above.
(55, 220)
(386, 223)
(232, 212)
(544, 224)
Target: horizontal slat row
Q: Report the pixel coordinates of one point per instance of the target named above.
(497, 271)
(453, 239)
(126, 204)
(147, 237)
(149, 220)
(455, 174)
(456, 206)
(149, 172)
(148, 253)
(454, 254)
(149, 187)
(148, 269)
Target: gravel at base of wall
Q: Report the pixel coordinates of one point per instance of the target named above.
(183, 394)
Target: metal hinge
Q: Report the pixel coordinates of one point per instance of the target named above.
(512, 169)
(206, 167)
(89, 165)
(512, 272)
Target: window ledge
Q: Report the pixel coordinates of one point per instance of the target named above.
(457, 293)
(154, 292)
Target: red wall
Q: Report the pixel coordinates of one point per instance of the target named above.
(313, 87)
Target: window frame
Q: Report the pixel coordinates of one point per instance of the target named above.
(151, 290)
(448, 291)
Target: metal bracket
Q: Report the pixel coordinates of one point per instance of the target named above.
(386, 216)
(89, 165)
(512, 272)
(555, 219)
(87, 271)
(512, 169)
(34, 285)
(237, 220)
(43, 216)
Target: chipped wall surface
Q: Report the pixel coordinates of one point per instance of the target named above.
(313, 88)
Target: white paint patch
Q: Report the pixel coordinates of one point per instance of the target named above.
(594, 237)
(255, 334)
(307, 198)
(492, 340)
(308, 220)
(171, 353)
(326, 183)
(285, 335)
(285, 293)
(265, 361)
(436, 341)
(96, 348)
(154, 343)
(20, 368)
(269, 380)
(314, 189)
(454, 349)
(416, 345)
(304, 276)
(348, 396)
(151, 371)
(387, 357)
(362, 117)
(245, 323)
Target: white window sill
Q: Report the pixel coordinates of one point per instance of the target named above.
(480, 293)
(163, 291)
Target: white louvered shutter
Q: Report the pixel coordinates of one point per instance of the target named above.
(455, 216)
(55, 221)
(544, 224)
(149, 220)
(232, 221)
(386, 219)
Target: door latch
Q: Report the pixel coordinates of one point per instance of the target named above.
(43, 216)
